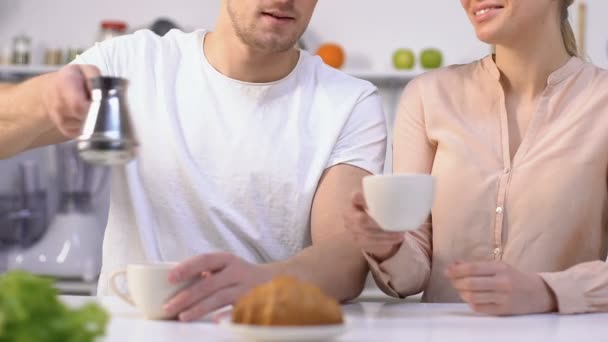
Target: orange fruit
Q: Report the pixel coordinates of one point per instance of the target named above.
(332, 54)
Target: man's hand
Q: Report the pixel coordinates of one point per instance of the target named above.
(498, 289)
(66, 98)
(222, 279)
(44, 110)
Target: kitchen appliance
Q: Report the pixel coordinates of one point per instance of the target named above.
(23, 213)
(108, 137)
(162, 26)
(71, 248)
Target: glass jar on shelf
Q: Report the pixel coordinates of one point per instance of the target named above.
(6, 55)
(111, 29)
(53, 57)
(72, 54)
(22, 50)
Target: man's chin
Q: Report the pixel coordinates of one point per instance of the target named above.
(276, 42)
(275, 47)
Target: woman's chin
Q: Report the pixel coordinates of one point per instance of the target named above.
(490, 38)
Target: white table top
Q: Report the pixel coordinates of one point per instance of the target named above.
(376, 321)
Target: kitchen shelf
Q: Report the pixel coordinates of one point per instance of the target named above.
(27, 70)
(76, 287)
(391, 77)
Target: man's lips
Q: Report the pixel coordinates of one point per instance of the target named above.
(284, 17)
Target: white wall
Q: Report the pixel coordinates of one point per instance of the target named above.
(370, 30)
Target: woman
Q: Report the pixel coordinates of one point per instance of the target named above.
(518, 143)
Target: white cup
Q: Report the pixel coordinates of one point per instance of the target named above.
(149, 288)
(400, 202)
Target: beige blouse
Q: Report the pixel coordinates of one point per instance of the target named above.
(545, 211)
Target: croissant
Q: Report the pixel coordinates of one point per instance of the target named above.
(286, 301)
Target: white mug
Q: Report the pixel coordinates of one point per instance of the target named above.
(400, 202)
(149, 288)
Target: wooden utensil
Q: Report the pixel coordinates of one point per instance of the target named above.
(582, 28)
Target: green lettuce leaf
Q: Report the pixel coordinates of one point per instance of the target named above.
(30, 310)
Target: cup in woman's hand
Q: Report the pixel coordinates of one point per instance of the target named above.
(399, 202)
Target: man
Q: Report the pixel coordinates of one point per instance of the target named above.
(250, 150)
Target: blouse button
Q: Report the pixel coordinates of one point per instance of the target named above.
(499, 210)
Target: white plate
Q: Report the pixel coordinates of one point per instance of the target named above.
(268, 334)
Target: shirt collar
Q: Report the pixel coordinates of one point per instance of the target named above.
(573, 65)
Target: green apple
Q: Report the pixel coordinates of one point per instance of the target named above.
(404, 59)
(431, 59)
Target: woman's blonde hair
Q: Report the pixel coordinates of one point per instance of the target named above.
(567, 31)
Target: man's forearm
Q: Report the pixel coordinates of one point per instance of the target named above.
(22, 119)
(336, 265)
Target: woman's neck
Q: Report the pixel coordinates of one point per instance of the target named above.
(526, 64)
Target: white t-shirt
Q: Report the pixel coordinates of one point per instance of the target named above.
(225, 165)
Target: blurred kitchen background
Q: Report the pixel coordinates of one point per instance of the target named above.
(53, 207)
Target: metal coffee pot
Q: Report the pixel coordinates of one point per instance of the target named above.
(108, 137)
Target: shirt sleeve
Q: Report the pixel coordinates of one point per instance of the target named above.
(408, 271)
(113, 57)
(94, 56)
(580, 289)
(362, 142)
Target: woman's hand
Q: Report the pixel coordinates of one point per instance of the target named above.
(368, 235)
(496, 288)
